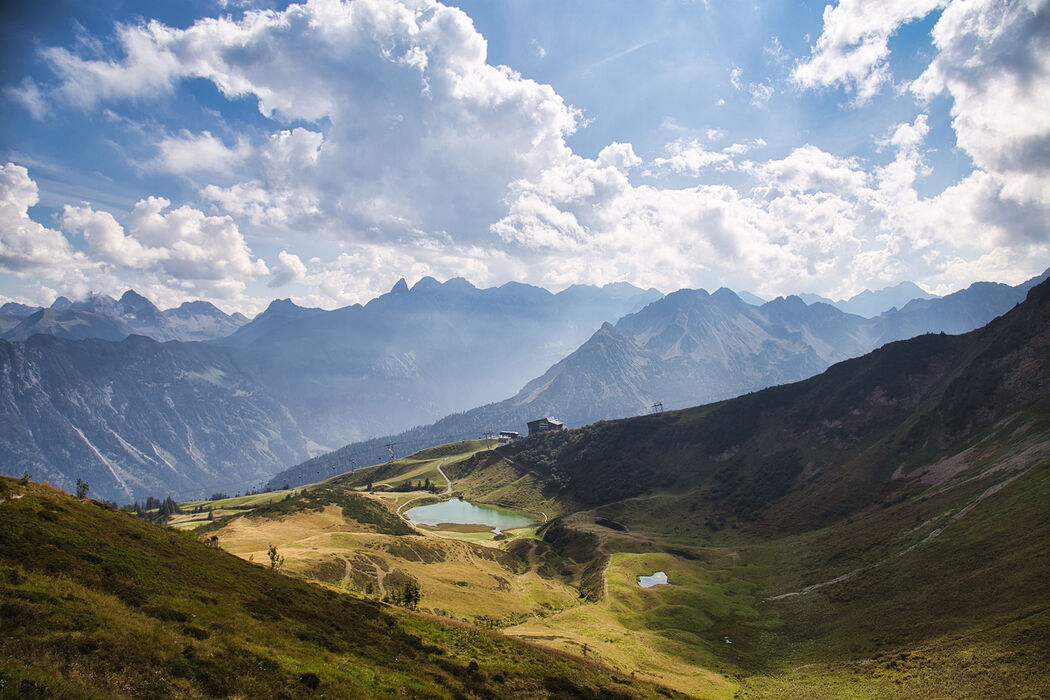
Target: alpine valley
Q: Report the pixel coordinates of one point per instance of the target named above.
(875, 531)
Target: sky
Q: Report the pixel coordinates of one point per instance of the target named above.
(239, 151)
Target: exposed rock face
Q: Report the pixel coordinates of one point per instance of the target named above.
(138, 417)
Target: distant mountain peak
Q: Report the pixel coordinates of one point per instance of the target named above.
(278, 305)
(132, 295)
(426, 284)
(401, 287)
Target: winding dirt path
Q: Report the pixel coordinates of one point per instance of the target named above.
(448, 481)
(401, 508)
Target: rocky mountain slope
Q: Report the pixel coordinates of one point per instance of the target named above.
(139, 417)
(136, 417)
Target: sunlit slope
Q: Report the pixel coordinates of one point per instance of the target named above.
(97, 603)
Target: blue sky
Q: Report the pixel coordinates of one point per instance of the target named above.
(238, 151)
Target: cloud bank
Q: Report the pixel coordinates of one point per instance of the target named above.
(390, 137)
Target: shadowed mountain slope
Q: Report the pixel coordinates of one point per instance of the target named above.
(842, 434)
(688, 348)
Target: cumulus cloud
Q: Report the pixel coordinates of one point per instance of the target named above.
(105, 237)
(392, 134)
(853, 48)
(809, 220)
(191, 245)
(993, 58)
(289, 268)
(27, 247)
(421, 133)
(183, 251)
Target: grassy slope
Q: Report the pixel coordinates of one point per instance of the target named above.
(910, 626)
(96, 603)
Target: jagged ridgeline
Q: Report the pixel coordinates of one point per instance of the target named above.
(98, 603)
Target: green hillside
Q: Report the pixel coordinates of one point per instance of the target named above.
(98, 603)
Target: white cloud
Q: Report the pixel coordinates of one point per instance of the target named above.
(853, 48)
(993, 58)
(190, 153)
(810, 220)
(289, 268)
(27, 247)
(193, 246)
(178, 254)
(421, 133)
(760, 92)
(690, 157)
(105, 237)
(395, 138)
(29, 95)
(809, 169)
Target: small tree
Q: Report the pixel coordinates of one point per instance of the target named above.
(82, 488)
(410, 595)
(276, 560)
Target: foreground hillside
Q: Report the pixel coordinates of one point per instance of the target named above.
(879, 530)
(97, 603)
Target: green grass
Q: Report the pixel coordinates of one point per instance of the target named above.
(98, 603)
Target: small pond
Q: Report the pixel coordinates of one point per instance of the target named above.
(457, 512)
(657, 579)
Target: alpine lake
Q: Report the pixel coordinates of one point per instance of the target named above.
(456, 514)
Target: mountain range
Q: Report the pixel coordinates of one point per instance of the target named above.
(687, 348)
(100, 316)
(873, 303)
(135, 416)
(876, 530)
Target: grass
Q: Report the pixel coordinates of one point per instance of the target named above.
(98, 603)
(956, 615)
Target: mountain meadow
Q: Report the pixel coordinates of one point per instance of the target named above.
(876, 531)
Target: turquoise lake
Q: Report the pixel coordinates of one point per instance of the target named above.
(459, 512)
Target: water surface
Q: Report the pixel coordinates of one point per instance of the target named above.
(457, 512)
(657, 579)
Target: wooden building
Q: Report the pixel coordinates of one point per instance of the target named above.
(544, 425)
